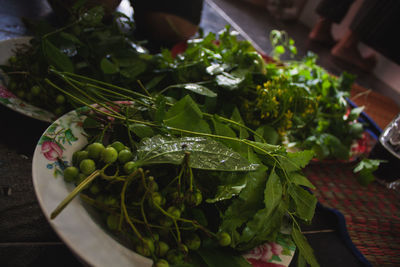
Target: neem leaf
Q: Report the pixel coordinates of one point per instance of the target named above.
(269, 134)
(301, 180)
(141, 130)
(247, 204)
(228, 81)
(196, 88)
(223, 129)
(233, 183)
(305, 249)
(186, 115)
(266, 219)
(134, 70)
(273, 191)
(237, 118)
(108, 67)
(263, 224)
(365, 169)
(296, 161)
(70, 37)
(205, 153)
(305, 202)
(55, 57)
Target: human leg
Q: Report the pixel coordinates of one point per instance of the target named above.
(330, 12)
(347, 50)
(167, 22)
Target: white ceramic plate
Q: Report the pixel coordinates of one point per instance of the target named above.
(78, 227)
(7, 98)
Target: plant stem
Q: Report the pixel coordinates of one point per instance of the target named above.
(74, 193)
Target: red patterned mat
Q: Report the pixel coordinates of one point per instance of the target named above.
(372, 213)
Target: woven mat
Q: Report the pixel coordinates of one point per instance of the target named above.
(372, 213)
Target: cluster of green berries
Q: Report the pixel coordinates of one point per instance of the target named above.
(163, 210)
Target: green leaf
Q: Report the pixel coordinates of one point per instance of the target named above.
(305, 249)
(232, 184)
(205, 153)
(223, 129)
(135, 70)
(108, 67)
(186, 115)
(195, 88)
(273, 191)
(300, 180)
(305, 202)
(250, 200)
(269, 134)
(243, 133)
(71, 38)
(228, 81)
(365, 169)
(296, 161)
(263, 224)
(55, 57)
(93, 16)
(141, 130)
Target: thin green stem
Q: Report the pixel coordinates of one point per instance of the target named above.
(74, 193)
(123, 205)
(103, 83)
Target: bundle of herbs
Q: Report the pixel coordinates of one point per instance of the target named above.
(290, 101)
(184, 187)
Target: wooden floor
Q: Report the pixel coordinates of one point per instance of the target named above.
(382, 103)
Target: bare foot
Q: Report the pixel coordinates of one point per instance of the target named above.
(321, 32)
(351, 55)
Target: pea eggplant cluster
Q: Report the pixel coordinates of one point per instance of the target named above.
(153, 212)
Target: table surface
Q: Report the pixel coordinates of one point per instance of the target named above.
(26, 238)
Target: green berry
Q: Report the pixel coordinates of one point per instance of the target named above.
(12, 59)
(166, 222)
(113, 222)
(129, 167)
(60, 99)
(224, 239)
(118, 146)
(146, 248)
(109, 155)
(20, 93)
(110, 200)
(78, 156)
(95, 150)
(193, 241)
(175, 256)
(161, 248)
(87, 166)
(59, 111)
(95, 189)
(156, 198)
(183, 248)
(124, 155)
(71, 174)
(35, 90)
(161, 263)
(174, 212)
(198, 197)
